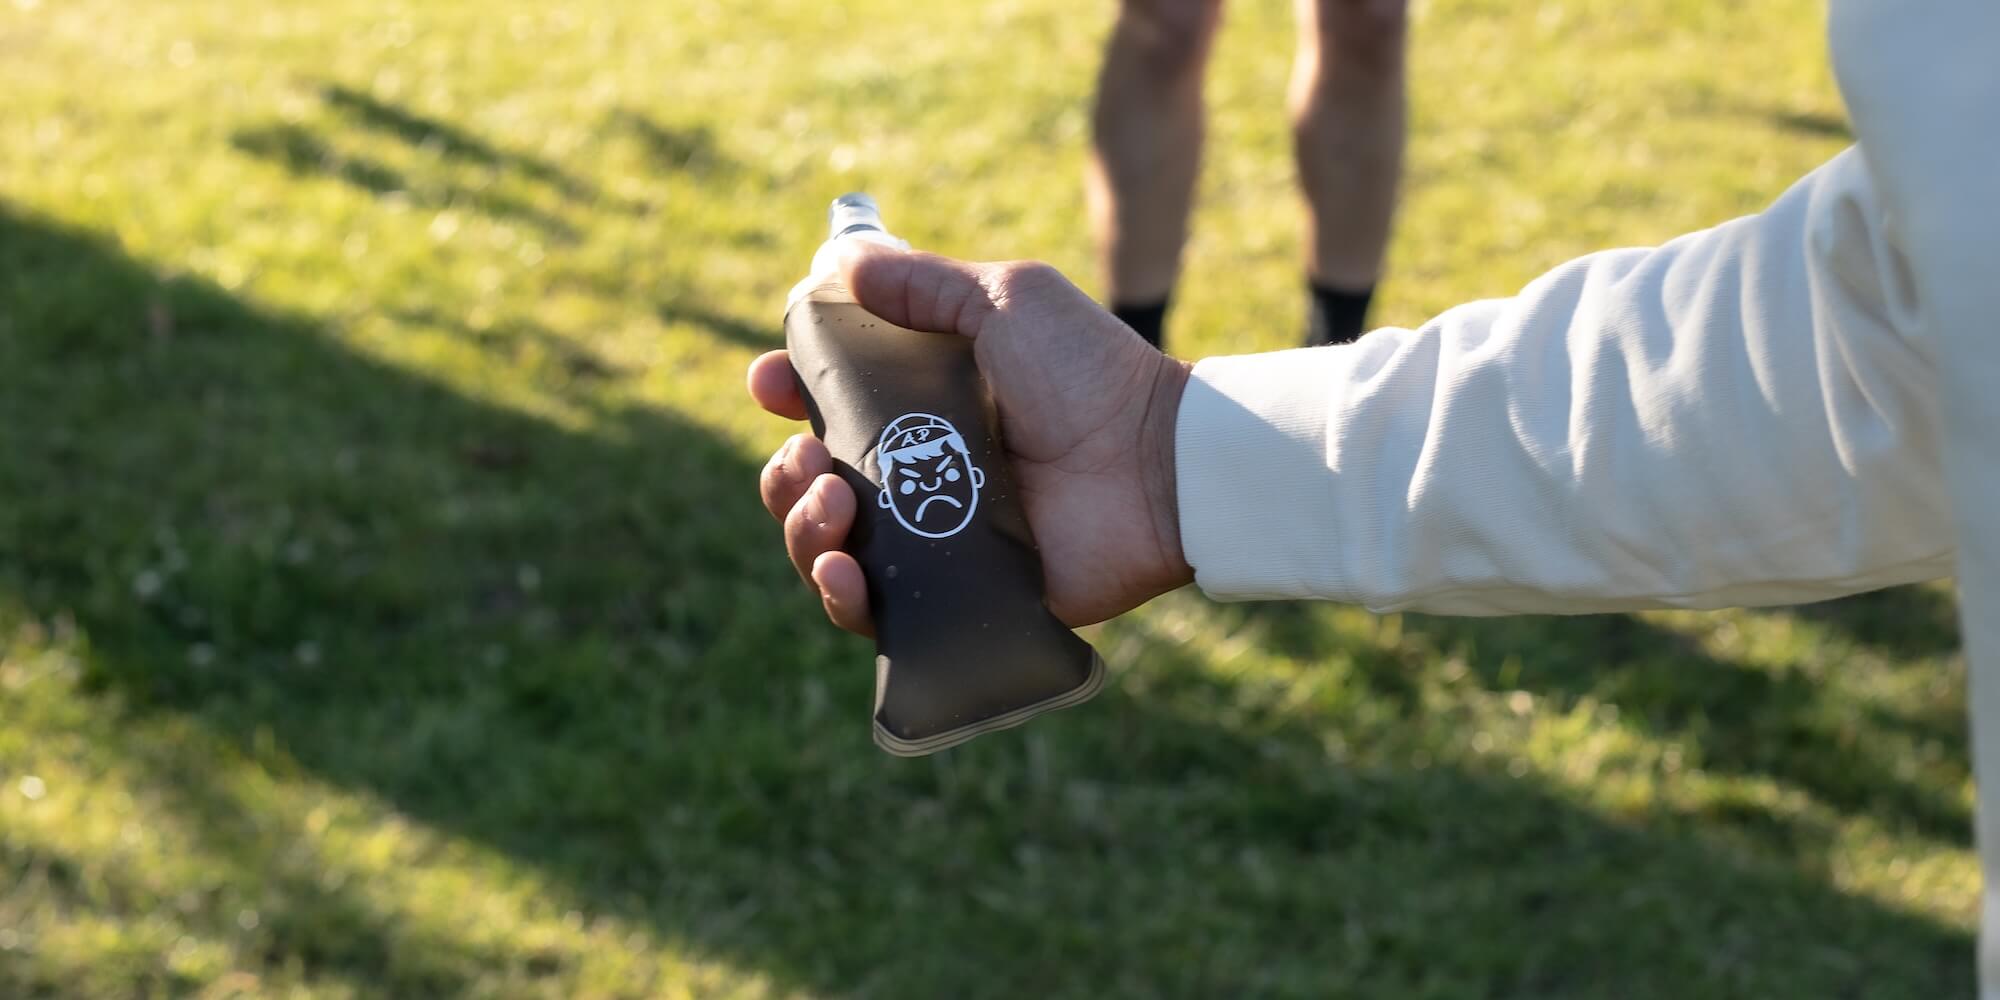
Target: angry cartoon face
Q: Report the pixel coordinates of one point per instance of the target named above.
(928, 479)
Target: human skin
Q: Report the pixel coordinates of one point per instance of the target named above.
(1086, 409)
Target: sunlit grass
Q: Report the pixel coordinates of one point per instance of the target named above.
(385, 608)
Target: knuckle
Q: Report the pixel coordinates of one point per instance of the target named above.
(777, 472)
(771, 482)
(804, 454)
(799, 519)
(1022, 277)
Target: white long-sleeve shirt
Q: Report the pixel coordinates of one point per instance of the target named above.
(1787, 407)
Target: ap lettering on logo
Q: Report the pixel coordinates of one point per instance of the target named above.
(928, 479)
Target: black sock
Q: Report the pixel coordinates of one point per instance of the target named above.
(1334, 315)
(1149, 321)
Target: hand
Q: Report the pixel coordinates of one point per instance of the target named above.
(1086, 407)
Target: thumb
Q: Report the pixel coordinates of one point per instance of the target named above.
(917, 291)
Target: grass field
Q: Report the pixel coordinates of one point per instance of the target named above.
(386, 609)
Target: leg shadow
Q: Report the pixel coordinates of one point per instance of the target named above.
(450, 140)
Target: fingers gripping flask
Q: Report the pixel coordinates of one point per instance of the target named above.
(964, 641)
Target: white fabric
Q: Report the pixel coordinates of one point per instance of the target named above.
(1791, 406)
(1745, 415)
(1922, 83)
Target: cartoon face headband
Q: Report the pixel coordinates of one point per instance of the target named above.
(928, 479)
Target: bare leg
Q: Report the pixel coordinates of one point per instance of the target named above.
(1147, 126)
(1348, 108)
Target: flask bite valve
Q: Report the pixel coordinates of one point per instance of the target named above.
(853, 212)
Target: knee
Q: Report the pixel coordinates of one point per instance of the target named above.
(1361, 34)
(1170, 38)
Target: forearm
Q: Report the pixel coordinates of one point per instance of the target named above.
(1733, 418)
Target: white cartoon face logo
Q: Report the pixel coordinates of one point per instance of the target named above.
(928, 479)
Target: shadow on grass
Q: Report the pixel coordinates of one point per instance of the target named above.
(306, 153)
(1779, 724)
(756, 336)
(450, 140)
(260, 530)
(521, 342)
(690, 150)
(1811, 123)
(583, 650)
(1902, 621)
(301, 152)
(1803, 124)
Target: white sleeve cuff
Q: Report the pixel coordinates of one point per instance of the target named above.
(1250, 452)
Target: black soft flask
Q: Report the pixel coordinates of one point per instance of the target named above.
(964, 641)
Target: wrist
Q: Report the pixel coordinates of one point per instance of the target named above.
(1157, 470)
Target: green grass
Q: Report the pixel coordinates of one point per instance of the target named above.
(386, 610)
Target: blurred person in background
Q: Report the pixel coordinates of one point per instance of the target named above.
(1347, 111)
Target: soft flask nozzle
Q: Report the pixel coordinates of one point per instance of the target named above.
(852, 212)
(852, 216)
(964, 643)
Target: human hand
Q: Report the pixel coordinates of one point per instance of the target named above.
(1087, 413)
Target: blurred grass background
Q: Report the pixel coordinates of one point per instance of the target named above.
(386, 609)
